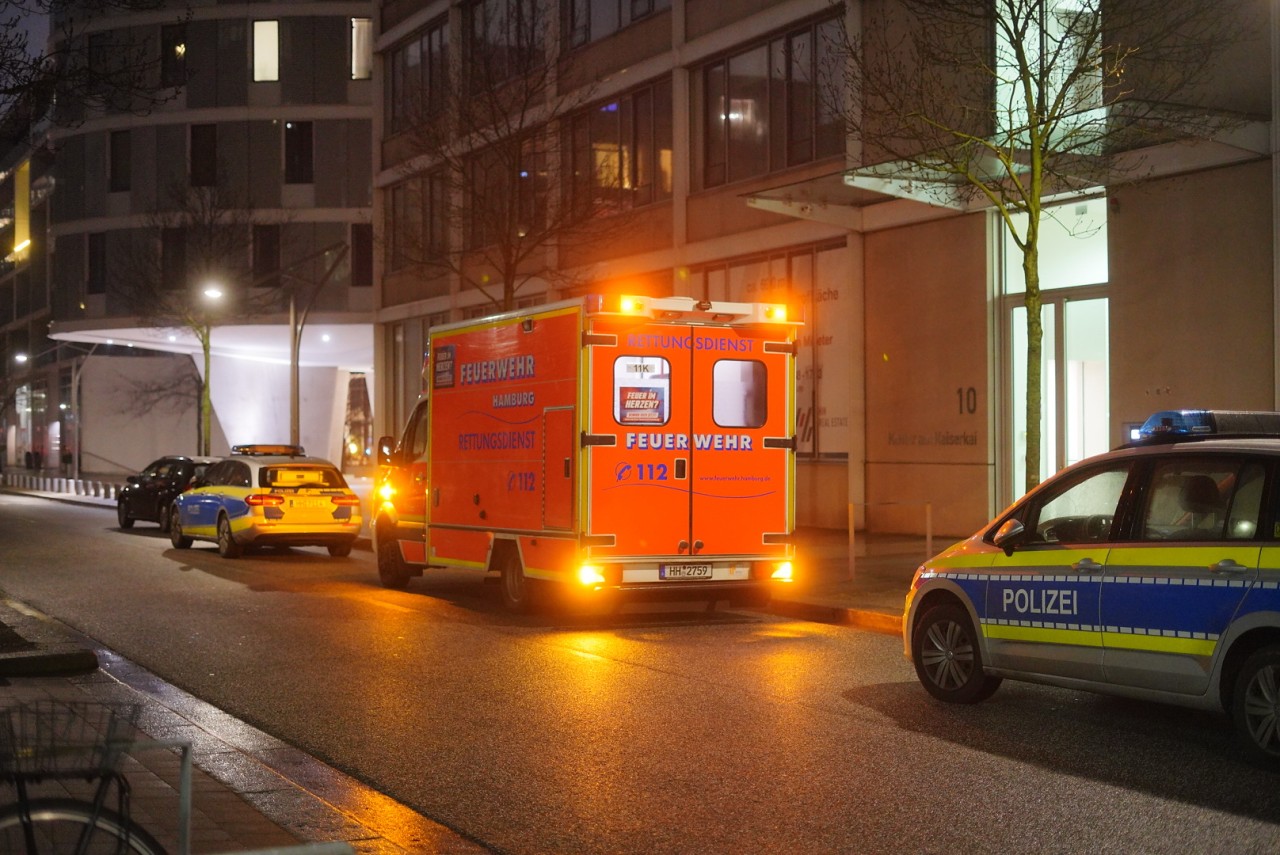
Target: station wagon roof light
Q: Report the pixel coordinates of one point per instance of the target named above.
(1170, 425)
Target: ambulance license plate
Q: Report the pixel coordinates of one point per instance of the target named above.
(684, 571)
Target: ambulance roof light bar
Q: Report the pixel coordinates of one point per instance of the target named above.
(689, 310)
(1174, 425)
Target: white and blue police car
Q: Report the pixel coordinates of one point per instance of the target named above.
(1151, 571)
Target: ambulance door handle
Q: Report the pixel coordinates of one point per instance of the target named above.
(1086, 565)
(697, 547)
(568, 468)
(681, 465)
(684, 544)
(1228, 565)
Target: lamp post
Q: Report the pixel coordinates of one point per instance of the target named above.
(298, 320)
(212, 295)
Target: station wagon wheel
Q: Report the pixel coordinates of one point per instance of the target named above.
(162, 517)
(122, 514)
(176, 536)
(340, 550)
(948, 658)
(1256, 705)
(227, 546)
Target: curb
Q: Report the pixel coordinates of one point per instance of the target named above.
(872, 621)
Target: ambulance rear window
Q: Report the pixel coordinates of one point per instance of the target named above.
(739, 394)
(641, 390)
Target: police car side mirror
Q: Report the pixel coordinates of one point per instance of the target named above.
(1008, 535)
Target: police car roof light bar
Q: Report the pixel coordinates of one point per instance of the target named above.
(1171, 425)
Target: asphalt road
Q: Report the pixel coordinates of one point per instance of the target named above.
(653, 730)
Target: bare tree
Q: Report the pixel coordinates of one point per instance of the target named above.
(1008, 104)
(114, 69)
(490, 144)
(189, 268)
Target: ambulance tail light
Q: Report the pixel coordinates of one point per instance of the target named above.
(386, 492)
(591, 576)
(782, 572)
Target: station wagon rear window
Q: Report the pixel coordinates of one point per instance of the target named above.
(300, 477)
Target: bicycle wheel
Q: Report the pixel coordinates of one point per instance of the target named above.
(57, 825)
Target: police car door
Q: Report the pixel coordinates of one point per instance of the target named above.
(1169, 595)
(1042, 599)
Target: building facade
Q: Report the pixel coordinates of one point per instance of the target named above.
(251, 171)
(703, 133)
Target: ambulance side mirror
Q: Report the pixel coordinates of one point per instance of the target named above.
(386, 450)
(1008, 535)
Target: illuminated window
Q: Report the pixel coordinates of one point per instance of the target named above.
(361, 48)
(173, 55)
(266, 50)
(620, 153)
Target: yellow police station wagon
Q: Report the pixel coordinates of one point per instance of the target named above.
(268, 495)
(1151, 571)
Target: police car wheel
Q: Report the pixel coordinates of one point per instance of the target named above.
(1256, 704)
(227, 546)
(122, 515)
(339, 550)
(176, 537)
(948, 658)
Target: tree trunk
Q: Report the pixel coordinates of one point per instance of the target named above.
(1035, 339)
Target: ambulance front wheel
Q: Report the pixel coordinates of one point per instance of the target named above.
(520, 594)
(392, 571)
(948, 657)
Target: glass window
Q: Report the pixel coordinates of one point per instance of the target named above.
(361, 255)
(771, 105)
(1079, 510)
(121, 167)
(1203, 499)
(173, 258)
(361, 48)
(97, 263)
(641, 390)
(620, 153)
(266, 256)
(299, 166)
(294, 477)
(266, 51)
(589, 20)
(173, 54)
(204, 155)
(739, 393)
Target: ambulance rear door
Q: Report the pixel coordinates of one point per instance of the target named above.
(689, 439)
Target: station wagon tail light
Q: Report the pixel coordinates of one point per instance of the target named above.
(259, 500)
(782, 572)
(346, 500)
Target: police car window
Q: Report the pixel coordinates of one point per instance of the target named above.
(1202, 499)
(1082, 510)
(738, 393)
(217, 473)
(239, 475)
(300, 477)
(641, 390)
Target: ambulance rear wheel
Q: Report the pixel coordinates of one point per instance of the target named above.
(519, 592)
(948, 658)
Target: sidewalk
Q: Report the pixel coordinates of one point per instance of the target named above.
(245, 790)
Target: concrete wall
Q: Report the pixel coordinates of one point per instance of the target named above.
(1192, 302)
(927, 341)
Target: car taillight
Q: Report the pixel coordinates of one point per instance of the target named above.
(346, 500)
(258, 500)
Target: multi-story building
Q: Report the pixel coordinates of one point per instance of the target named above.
(251, 171)
(700, 129)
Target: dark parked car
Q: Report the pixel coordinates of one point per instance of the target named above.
(149, 494)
